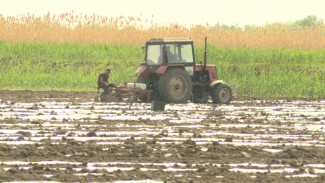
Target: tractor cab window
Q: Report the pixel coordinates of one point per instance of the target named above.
(187, 53)
(154, 55)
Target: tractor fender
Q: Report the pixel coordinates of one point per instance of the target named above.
(142, 69)
(162, 69)
(216, 82)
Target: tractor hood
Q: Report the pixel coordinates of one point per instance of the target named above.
(212, 70)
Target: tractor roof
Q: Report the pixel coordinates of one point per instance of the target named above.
(169, 40)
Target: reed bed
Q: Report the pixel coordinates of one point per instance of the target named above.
(93, 29)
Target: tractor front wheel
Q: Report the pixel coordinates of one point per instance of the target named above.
(221, 94)
(175, 86)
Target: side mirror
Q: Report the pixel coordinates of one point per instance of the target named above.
(143, 47)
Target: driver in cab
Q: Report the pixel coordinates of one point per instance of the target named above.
(172, 58)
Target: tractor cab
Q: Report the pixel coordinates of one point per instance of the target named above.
(162, 53)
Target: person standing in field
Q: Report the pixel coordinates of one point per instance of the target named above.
(103, 81)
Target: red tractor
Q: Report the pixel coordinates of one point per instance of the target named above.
(169, 70)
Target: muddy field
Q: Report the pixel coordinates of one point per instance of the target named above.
(67, 137)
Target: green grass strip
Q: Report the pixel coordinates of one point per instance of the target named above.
(276, 73)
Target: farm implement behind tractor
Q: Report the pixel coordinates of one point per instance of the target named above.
(130, 92)
(169, 74)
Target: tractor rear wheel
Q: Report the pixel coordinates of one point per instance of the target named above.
(175, 86)
(221, 94)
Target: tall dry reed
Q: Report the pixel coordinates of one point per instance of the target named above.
(86, 29)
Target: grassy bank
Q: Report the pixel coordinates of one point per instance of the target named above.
(75, 67)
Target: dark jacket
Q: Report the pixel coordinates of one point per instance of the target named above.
(105, 79)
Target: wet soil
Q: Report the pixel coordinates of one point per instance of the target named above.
(67, 137)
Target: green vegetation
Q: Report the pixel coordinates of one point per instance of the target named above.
(75, 67)
(70, 67)
(271, 73)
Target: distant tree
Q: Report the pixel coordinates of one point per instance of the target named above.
(309, 21)
(223, 27)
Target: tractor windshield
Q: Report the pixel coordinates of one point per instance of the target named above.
(154, 55)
